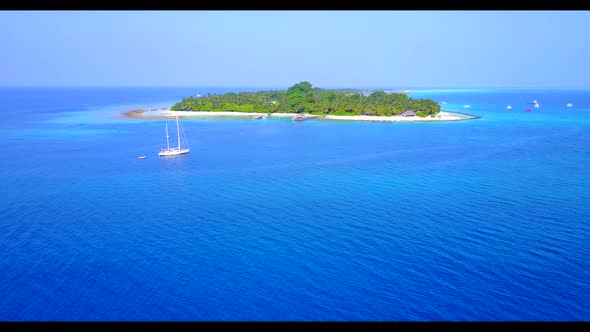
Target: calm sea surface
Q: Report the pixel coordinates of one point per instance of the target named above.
(275, 220)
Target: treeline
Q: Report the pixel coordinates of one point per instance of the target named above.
(302, 98)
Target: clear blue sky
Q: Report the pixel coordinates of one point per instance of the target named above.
(397, 49)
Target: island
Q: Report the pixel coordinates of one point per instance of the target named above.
(303, 101)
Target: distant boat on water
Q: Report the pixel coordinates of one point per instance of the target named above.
(173, 151)
(528, 110)
(443, 102)
(509, 107)
(299, 117)
(535, 103)
(466, 106)
(569, 105)
(260, 116)
(141, 157)
(303, 117)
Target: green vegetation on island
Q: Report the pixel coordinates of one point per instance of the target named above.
(302, 98)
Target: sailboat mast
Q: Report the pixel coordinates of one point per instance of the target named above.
(167, 138)
(178, 131)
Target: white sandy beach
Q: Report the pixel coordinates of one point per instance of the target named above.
(442, 116)
(190, 113)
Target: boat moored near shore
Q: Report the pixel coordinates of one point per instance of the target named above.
(173, 151)
(303, 117)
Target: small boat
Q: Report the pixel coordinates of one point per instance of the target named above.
(443, 102)
(303, 117)
(260, 116)
(569, 105)
(509, 107)
(299, 117)
(528, 110)
(141, 157)
(466, 106)
(173, 151)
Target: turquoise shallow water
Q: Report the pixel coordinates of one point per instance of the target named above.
(271, 220)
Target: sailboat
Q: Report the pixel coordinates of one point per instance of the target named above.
(173, 151)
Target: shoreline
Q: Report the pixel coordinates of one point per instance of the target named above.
(138, 114)
(443, 116)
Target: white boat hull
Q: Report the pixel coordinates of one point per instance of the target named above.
(173, 152)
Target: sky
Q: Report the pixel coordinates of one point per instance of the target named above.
(355, 49)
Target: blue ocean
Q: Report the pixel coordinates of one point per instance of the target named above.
(276, 220)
